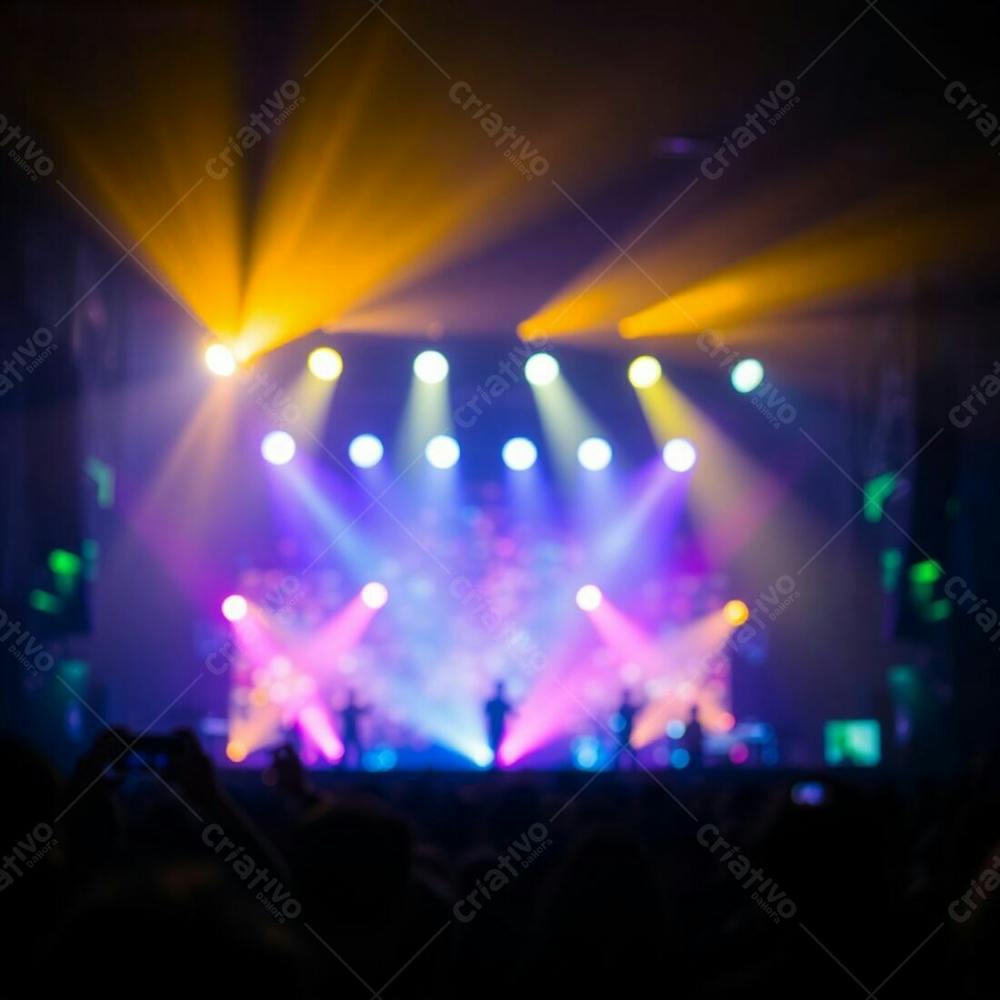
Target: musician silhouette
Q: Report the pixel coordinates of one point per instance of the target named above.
(350, 736)
(627, 712)
(693, 741)
(497, 710)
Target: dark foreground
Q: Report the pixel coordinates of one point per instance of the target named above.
(121, 883)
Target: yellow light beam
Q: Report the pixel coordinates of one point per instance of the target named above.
(866, 247)
(730, 494)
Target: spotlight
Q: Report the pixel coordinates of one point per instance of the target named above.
(589, 597)
(644, 372)
(442, 451)
(736, 612)
(541, 369)
(676, 729)
(278, 447)
(374, 595)
(382, 759)
(747, 375)
(234, 607)
(679, 455)
(594, 454)
(220, 360)
(430, 367)
(236, 751)
(326, 364)
(365, 451)
(586, 752)
(519, 454)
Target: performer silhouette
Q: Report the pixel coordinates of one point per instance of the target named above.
(497, 710)
(627, 712)
(350, 735)
(693, 740)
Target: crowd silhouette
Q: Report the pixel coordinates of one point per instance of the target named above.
(123, 879)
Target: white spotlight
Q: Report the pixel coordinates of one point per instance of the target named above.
(220, 360)
(235, 607)
(365, 451)
(679, 455)
(430, 367)
(374, 595)
(747, 375)
(442, 451)
(541, 369)
(594, 454)
(278, 447)
(519, 454)
(589, 597)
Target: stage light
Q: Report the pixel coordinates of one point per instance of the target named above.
(220, 360)
(519, 454)
(430, 367)
(234, 607)
(594, 454)
(644, 372)
(278, 447)
(737, 613)
(586, 752)
(747, 375)
(442, 451)
(589, 597)
(326, 364)
(676, 729)
(679, 758)
(679, 455)
(236, 751)
(381, 759)
(365, 451)
(541, 369)
(482, 756)
(374, 595)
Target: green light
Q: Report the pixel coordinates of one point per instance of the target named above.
(877, 491)
(927, 572)
(64, 563)
(923, 576)
(73, 670)
(937, 611)
(45, 602)
(903, 677)
(856, 742)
